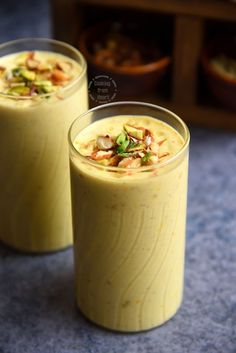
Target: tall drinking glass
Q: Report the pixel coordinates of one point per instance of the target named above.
(129, 224)
(35, 206)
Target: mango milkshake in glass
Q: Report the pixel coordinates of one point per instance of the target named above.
(129, 168)
(43, 86)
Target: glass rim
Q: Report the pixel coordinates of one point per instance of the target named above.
(52, 41)
(142, 168)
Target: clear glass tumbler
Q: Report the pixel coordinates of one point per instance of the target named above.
(35, 206)
(129, 229)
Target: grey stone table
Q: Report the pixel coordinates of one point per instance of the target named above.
(37, 310)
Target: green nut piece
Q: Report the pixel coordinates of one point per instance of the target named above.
(136, 133)
(43, 83)
(19, 91)
(28, 75)
(121, 138)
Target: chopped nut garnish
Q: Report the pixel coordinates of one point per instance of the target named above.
(32, 64)
(32, 76)
(99, 155)
(161, 142)
(58, 76)
(104, 143)
(135, 132)
(130, 163)
(163, 155)
(65, 66)
(134, 147)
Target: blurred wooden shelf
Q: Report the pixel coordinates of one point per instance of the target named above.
(189, 18)
(199, 115)
(218, 9)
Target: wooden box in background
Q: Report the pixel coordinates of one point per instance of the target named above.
(193, 22)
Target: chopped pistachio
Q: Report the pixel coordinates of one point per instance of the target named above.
(134, 132)
(121, 138)
(43, 83)
(45, 89)
(16, 84)
(133, 146)
(39, 76)
(123, 142)
(28, 75)
(16, 71)
(146, 158)
(19, 91)
(122, 148)
(124, 154)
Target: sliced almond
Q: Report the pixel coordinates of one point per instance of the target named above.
(130, 162)
(99, 155)
(65, 66)
(148, 140)
(141, 154)
(105, 143)
(32, 64)
(44, 67)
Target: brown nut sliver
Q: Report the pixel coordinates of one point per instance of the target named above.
(161, 142)
(164, 154)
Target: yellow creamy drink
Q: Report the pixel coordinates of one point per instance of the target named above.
(129, 187)
(41, 92)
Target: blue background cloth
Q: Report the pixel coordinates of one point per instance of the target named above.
(37, 309)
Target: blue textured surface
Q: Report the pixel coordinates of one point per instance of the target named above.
(37, 310)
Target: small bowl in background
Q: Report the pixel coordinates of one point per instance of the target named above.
(112, 49)
(216, 60)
